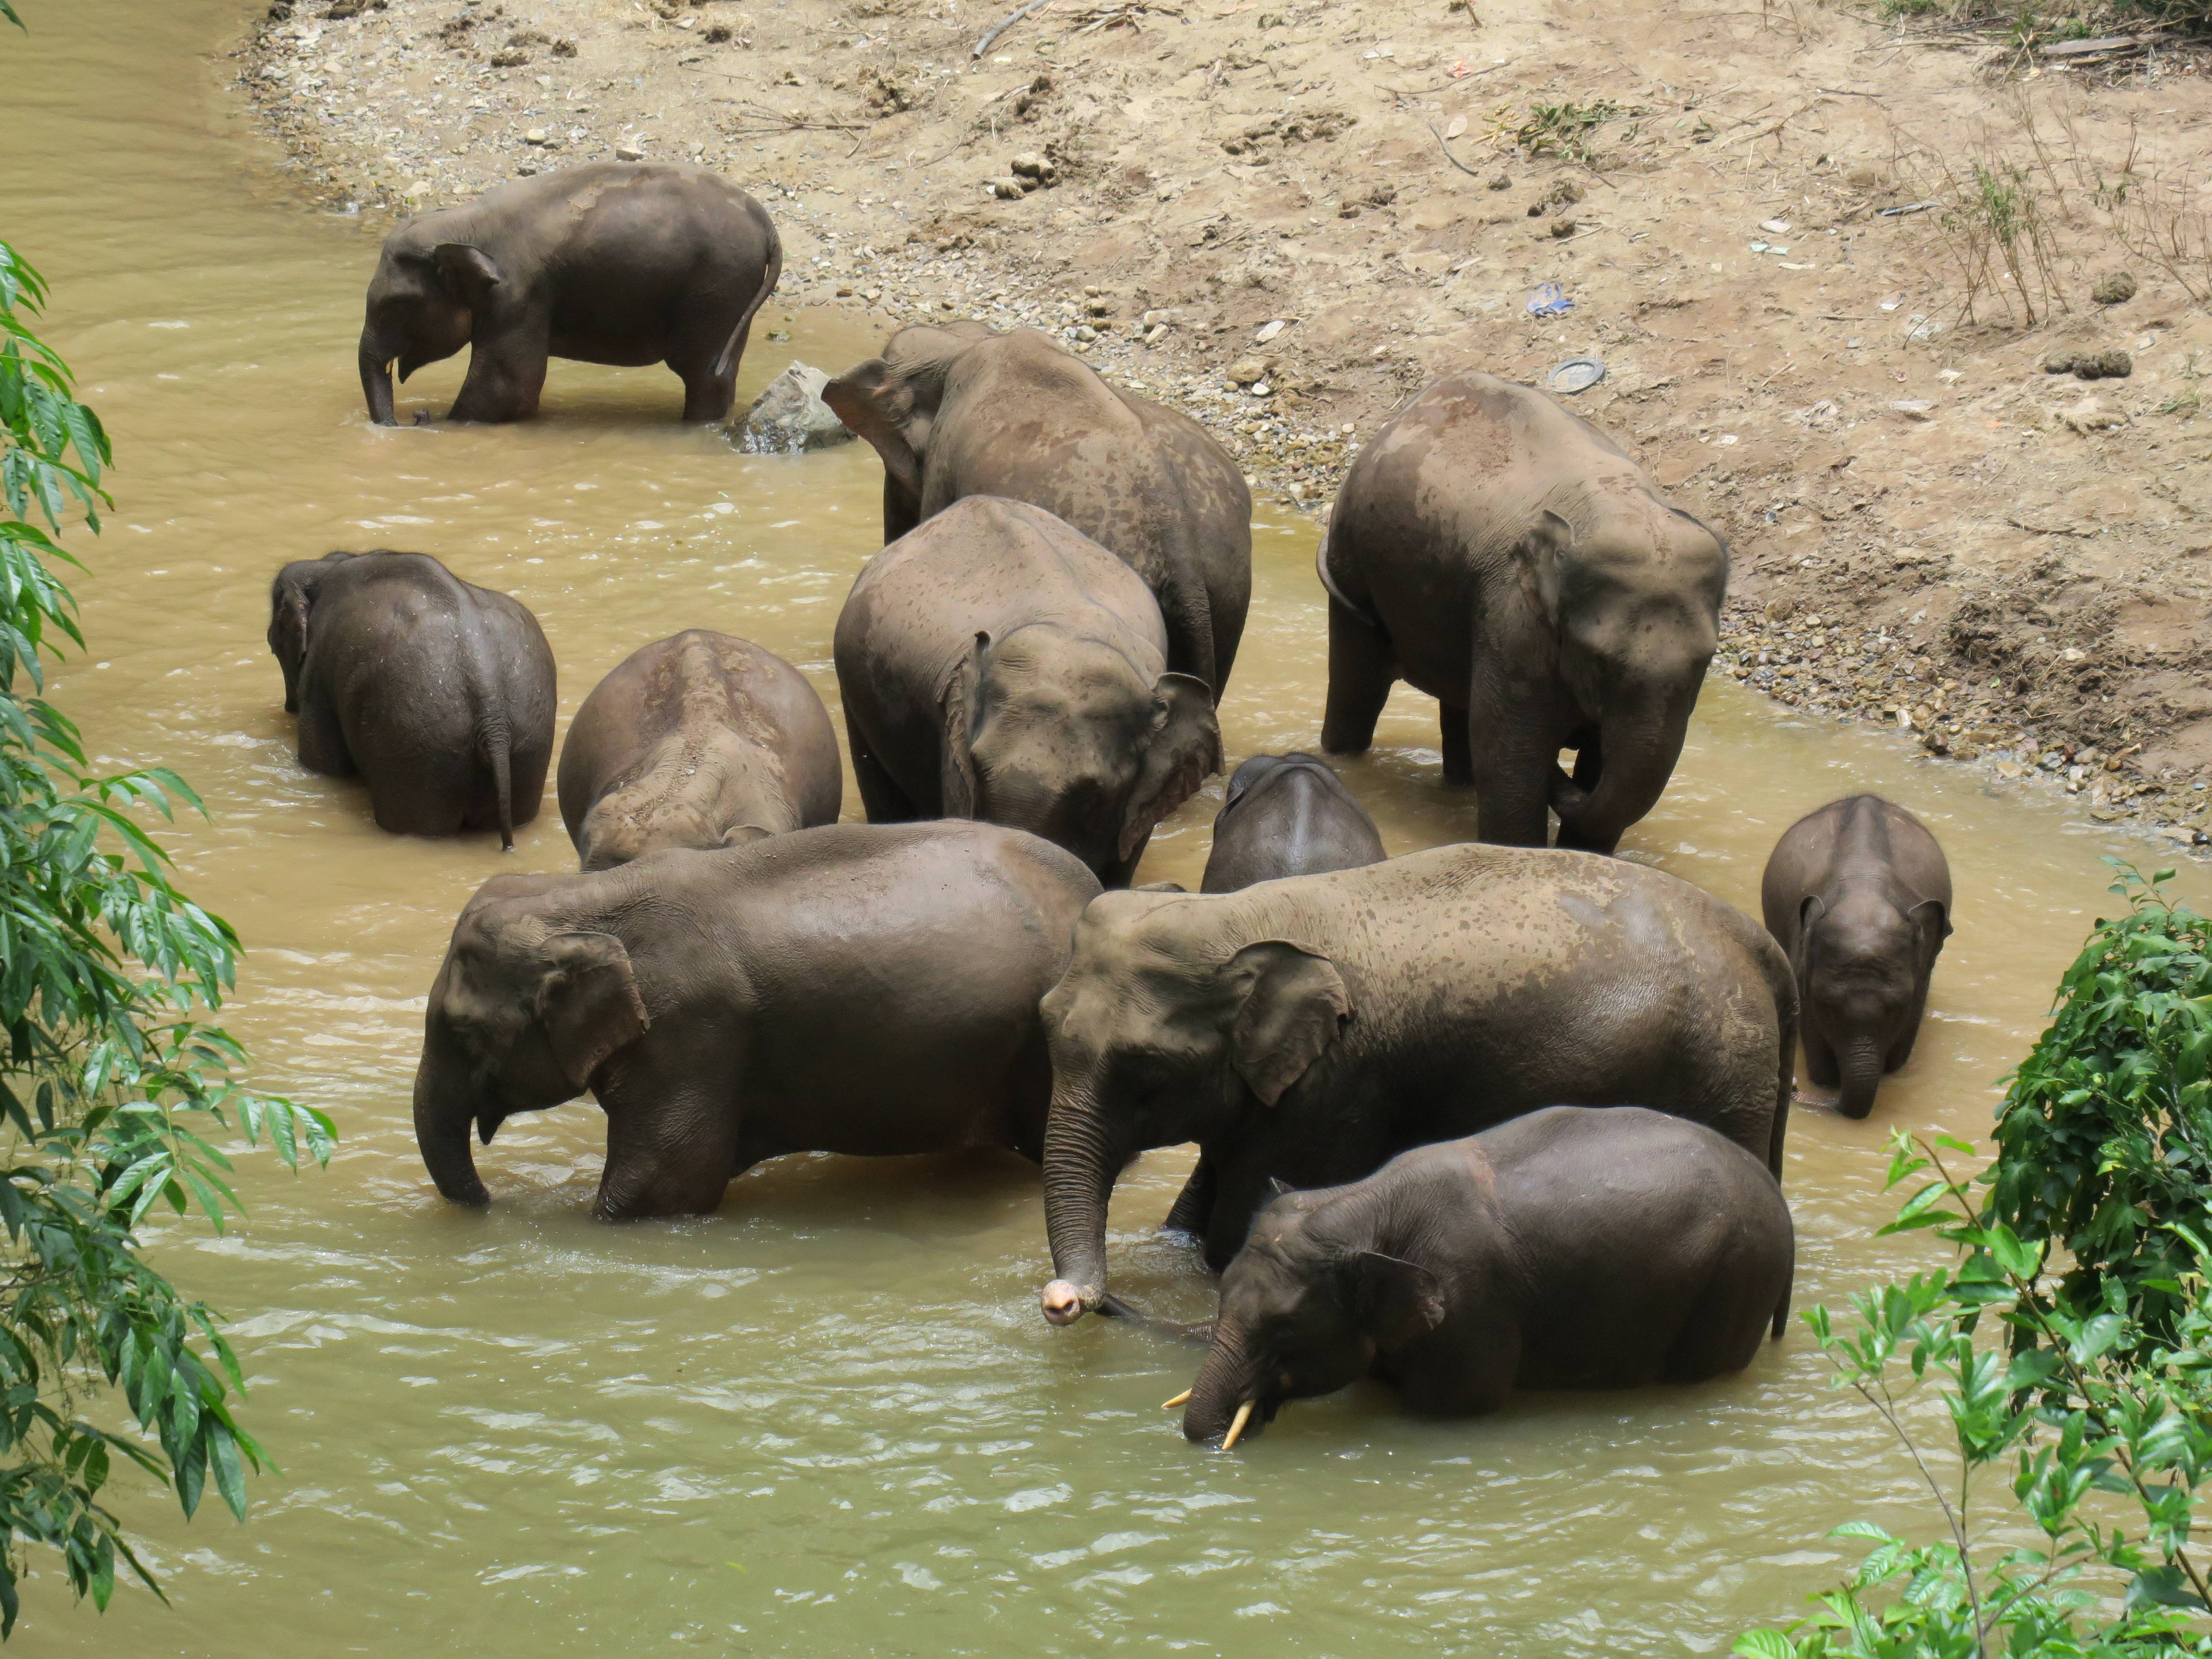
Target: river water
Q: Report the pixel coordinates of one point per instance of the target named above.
(828, 1420)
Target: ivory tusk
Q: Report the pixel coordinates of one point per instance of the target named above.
(1236, 1426)
(1169, 1405)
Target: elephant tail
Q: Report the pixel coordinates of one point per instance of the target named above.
(1782, 982)
(496, 743)
(771, 273)
(1782, 1308)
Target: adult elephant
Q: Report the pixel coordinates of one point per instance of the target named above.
(613, 262)
(843, 989)
(696, 740)
(996, 665)
(438, 693)
(962, 411)
(1507, 558)
(1858, 895)
(1306, 1031)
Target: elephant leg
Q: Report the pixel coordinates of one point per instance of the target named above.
(885, 801)
(1820, 1066)
(670, 1150)
(1122, 872)
(1194, 1203)
(322, 739)
(695, 350)
(1513, 750)
(1362, 668)
(1440, 1377)
(507, 374)
(1459, 754)
(707, 396)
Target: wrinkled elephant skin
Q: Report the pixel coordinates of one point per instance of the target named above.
(697, 740)
(1506, 557)
(438, 693)
(848, 989)
(1570, 1249)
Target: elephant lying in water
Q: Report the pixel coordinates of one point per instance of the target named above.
(1570, 1249)
(696, 740)
(1308, 1030)
(844, 989)
(962, 411)
(1859, 895)
(612, 262)
(996, 665)
(1509, 560)
(438, 693)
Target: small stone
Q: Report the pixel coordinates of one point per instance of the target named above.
(535, 136)
(1563, 228)
(1347, 210)
(1270, 332)
(789, 417)
(2116, 287)
(1918, 409)
(628, 153)
(1098, 307)
(1247, 370)
(1086, 333)
(1499, 181)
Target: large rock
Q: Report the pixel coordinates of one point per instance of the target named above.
(790, 417)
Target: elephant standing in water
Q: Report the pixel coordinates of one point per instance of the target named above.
(995, 665)
(1308, 1030)
(437, 693)
(849, 989)
(1859, 895)
(1570, 1249)
(962, 411)
(1507, 558)
(1287, 815)
(696, 740)
(613, 262)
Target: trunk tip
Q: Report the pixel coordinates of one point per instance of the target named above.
(1063, 1303)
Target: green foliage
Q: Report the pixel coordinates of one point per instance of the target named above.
(109, 1083)
(1568, 130)
(2097, 1402)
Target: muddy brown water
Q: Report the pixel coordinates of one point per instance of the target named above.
(827, 1420)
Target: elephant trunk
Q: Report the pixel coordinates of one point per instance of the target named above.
(1860, 1066)
(376, 379)
(1081, 1158)
(1227, 1381)
(1637, 755)
(444, 1109)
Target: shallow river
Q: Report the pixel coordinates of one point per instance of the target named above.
(828, 1420)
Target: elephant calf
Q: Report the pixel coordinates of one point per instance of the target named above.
(996, 665)
(1508, 560)
(697, 740)
(1287, 815)
(1570, 1249)
(1859, 895)
(1308, 1030)
(962, 411)
(622, 263)
(437, 693)
(842, 989)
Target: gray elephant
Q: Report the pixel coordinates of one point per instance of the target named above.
(1308, 1030)
(438, 693)
(1570, 1249)
(622, 263)
(1858, 894)
(961, 410)
(696, 740)
(1507, 559)
(1287, 815)
(996, 665)
(847, 988)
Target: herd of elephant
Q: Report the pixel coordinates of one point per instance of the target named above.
(1391, 1067)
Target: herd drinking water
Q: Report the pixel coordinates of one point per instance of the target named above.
(1389, 1065)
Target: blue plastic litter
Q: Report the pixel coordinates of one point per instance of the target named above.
(1548, 301)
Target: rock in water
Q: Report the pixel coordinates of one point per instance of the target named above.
(790, 417)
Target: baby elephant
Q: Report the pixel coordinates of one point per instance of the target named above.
(439, 694)
(609, 263)
(698, 740)
(1859, 895)
(1570, 1249)
(1287, 815)
(848, 989)
(996, 665)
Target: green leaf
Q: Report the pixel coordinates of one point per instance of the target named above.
(1763, 1645)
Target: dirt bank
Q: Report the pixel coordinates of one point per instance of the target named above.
(1284, 215)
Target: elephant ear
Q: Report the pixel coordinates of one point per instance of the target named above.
(1292, 1004)
(962, 705)
(1182, 749)
(1931, 924)
(1398, 1300)
(877, 403)
(588, 1002)
(468, 273)
(745, 834)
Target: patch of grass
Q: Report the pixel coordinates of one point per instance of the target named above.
(1567, 130)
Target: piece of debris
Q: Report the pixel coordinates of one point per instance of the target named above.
(1917, 408)
(1548, 301)
(2092, 415)
(628, 153)
(1270, 332)
(1247, 371)
(789, 417)
(1576, 374)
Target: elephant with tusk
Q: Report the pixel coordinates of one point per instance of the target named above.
(1570, 1249)
(1311, 1028)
